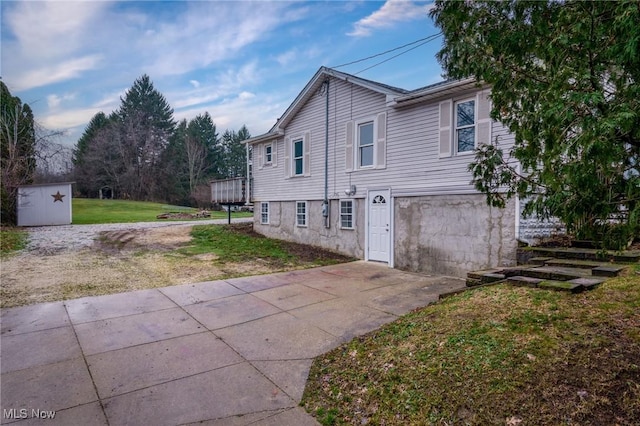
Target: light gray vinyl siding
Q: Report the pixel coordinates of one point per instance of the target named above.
(347, 102)
(413, 166)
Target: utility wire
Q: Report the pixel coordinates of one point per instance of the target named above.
(399, 54)
(429, 38)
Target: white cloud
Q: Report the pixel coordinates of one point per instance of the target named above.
(390, 14)
(54, 101)
(50, 29)
(54, 73)
(110, 101)
(195, 83)
(195, 39)
(287, 57)
(194, 98)
(246, 95)
(69, 119)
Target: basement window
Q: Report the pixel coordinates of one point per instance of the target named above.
(264, 213)
(346, 214)
(301, 213)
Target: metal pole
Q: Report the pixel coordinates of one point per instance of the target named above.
(229, 213)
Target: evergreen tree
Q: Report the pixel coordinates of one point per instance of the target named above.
(17, 150)
(204, 148)
(146, 121)
(235, 153)
(565, 81)
(174, 178)
(97, 122)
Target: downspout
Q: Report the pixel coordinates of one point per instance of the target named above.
(325, 203)
(247, 196)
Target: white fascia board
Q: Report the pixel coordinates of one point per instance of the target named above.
(436, 91)
(266, 137)
(314, 84)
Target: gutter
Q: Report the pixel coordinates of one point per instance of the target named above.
(433, 92)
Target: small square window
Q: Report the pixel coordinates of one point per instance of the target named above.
(301, 213)
(346, 214)
(465, 126)
(264, 213)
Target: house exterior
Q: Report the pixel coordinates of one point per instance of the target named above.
(44, 204)
(380, 173)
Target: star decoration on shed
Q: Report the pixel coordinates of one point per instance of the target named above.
(57, 197)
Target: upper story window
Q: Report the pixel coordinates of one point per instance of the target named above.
(465, 126)
(268, 154)
(298, 157)
(365, 144)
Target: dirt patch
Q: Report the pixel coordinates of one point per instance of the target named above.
(126, 260)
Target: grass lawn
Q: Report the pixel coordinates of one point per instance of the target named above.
(12, 239)
(93, 211)
(239, 243)
(495, 355)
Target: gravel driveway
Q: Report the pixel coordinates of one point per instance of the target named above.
(47, 240)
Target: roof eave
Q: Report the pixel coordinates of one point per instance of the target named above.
(314, 84)
(265, 137)
(434, 92)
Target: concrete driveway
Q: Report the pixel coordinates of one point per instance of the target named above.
(232, 352)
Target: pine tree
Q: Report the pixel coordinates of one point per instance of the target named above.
(146, 121)
(235, 154)
(98, 122)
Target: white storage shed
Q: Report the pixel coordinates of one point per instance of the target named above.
(44, 204)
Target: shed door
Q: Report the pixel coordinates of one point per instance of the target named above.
(379, 229)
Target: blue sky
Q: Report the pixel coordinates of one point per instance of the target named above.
(242, 61)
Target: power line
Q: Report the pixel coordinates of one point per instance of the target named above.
(399, 54)
(426, 39)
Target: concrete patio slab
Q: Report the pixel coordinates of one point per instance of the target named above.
(290, 376)
(230, 391)
(43, 316)
(342, 287)
(232, 353)
(342, 318)
(278, 337)
(98, 308)
(189, 294)
(38, 348)
(287, 416)
(292, 296)
(257, 283)
(49, 387)
(131, 330)
(296, 416)
(241, 420)
(82, 415)
(411, 294)
(230, 311)
(137, 367)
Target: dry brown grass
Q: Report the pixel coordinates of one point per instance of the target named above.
(496, 355)
(123, 261)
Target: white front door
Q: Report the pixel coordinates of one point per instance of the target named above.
(379, 225)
